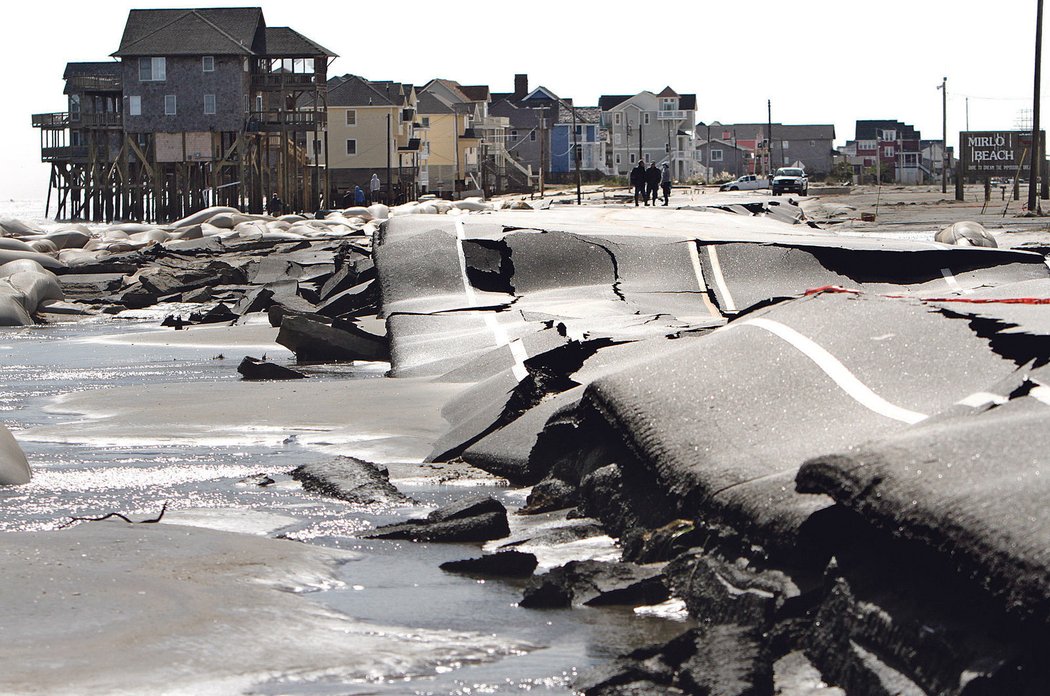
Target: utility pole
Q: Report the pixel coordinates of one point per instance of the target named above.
(707, 174)
(389, 137)
(543, 151)
(1037, 154)
(639, 136)
(944, 133)
(576, 157)
(769, 136)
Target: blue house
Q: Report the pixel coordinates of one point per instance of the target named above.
(587, 137)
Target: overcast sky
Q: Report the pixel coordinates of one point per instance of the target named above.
(819, 61)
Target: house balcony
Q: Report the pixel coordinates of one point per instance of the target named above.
(63, 153)
(671, 115)
(55, 121)
(276, 120)
(102, 120)
(491, 123)
(94, 83)
(281, 81)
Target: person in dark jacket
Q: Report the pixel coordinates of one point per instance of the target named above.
(274, 205)
(652, 183)
(665, 181)
(359, 196)
(638, 182)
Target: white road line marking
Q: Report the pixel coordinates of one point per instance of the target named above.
(499, 333)
(952, 282)
(517, 349)
(698, 271)
(834, 369)
(720, 280)
(472, 297)
(1041, 393)
(980, 399)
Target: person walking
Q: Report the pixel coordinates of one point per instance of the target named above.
(274, 205)
(652, 183)
(638, 182)
(373, 188)
(665, 182)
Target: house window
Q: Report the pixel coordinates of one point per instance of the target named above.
(784, 144)
(169, 105)
(74, 139)
(152, 69)
(632, 158)
(351, 147)
(134, 106)
(258, 103)
(74, 107)
(617, 159)
(209, 103)
(645, 119)
(247, 103)
(716, 155)
(514, 135)
(208, 63)
(616, 138)
(425, 121)
(616, 119)
(887, 151)
(532, 136)
(351, 117)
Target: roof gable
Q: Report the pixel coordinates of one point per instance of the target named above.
(352, 90)
(224, 31)
(540, 92)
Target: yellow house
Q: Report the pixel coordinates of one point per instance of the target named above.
(371, 131)
(462, 144)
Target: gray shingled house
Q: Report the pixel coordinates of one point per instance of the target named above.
(206, 112)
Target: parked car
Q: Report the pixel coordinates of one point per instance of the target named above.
(749, 182)
(790, 180)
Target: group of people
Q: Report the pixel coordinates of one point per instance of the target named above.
(648, 182)
(352, 197)
(357, 196)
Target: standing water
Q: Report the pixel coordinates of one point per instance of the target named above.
(462, 635)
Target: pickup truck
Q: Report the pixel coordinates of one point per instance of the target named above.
(750, 182)
(790, 180)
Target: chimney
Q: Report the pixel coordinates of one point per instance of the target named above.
(521, 86)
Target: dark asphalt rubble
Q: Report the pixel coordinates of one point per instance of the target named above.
(830, 449)
(796, 428)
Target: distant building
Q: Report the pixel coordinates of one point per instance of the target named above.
(653, 127)
(202, 108)
(722, 157)
(541, 134)
(370, 130)
(808, 145)
(895, 150)
(467, 144)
